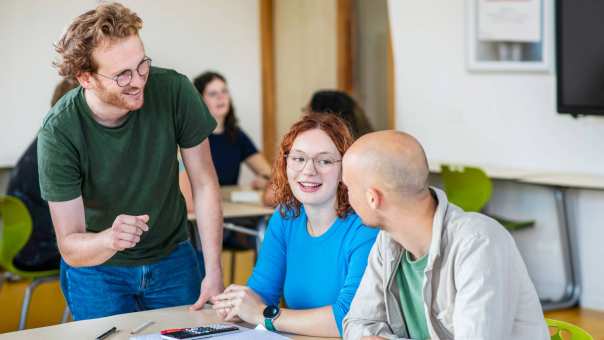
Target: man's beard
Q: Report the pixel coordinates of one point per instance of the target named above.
(118, 99)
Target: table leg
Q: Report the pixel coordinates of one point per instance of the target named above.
(240, 229)
(573, 286)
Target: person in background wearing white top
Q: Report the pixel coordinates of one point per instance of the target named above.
(435, 271)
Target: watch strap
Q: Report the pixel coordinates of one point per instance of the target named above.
(268, 323)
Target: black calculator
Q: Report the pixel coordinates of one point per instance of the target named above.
(200, 332)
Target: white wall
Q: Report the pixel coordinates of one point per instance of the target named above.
(503, 118)
(189, 36)
(506, 119)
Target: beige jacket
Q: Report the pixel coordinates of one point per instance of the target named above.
(476, 284)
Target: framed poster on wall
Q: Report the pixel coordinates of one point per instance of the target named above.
(508, 35)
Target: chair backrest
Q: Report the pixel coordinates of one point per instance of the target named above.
(576, 333)
(15, 231)
(467, 187)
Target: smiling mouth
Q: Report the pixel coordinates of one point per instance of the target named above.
(134, 93)
(309, 186)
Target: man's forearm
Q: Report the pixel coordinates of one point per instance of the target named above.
(79, 248)
(208, 211)
(85, 249)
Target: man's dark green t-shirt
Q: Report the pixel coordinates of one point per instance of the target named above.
(129, 169)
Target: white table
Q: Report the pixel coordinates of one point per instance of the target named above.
(493, 171)
(560, 182)
(174, 317)
(569, 180)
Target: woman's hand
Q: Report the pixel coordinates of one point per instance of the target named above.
(222, 313)
(239, 301)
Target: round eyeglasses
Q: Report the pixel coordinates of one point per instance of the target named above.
(125, 77)
(322, 163)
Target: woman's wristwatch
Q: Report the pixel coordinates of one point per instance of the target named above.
(271, 313)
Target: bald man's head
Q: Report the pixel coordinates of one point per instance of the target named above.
(390, 160)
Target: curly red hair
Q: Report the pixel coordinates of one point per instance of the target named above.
(340, 135)
(107, 22)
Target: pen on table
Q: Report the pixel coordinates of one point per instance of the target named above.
(106, 334)
(172, 330)
(141, 327)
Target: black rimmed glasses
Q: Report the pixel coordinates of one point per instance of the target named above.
(125, 78)
(323, 162)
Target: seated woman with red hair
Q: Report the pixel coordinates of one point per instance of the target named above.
(315, 250)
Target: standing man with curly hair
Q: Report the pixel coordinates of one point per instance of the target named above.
(108, 167)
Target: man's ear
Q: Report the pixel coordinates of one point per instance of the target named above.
(374, 198)
(85, 79)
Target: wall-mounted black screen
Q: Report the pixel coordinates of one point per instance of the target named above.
(580, 56)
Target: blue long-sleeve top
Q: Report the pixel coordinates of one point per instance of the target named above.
(311, 272)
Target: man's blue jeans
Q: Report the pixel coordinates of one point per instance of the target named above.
(104, 290)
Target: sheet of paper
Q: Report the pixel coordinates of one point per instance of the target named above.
(509, 20)
(154, 336)
(254, 334)
(260, 333)
(246, 196)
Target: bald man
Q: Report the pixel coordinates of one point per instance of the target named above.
(435, 271)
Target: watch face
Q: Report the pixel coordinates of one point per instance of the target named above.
(271, 311)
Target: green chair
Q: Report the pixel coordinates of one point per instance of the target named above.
(470, 188)
(576, 333)
(15, 230)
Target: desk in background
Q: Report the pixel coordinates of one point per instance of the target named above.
(236, 210)
(174, 317)
(232, 209)
(560, 183)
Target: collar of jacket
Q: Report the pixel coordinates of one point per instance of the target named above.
(395, 250)
(394, 256)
